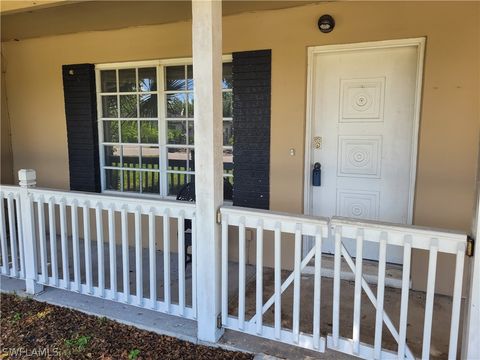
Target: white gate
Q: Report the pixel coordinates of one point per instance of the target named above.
(280, 225)
(408, 238)
(286, 231)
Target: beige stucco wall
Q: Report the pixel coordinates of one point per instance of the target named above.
(6, 169)
(449, 130)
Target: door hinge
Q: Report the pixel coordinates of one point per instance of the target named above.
(219, 217)
(470, 246)
(219, 321)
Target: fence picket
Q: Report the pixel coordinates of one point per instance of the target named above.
(76, 246)
(317, 288)
(13, 235)
(100, 249)
(87, 243)
(296, 283)
(3, 238)
(382, 258)
(259, 279)
(225, 270)
(63, 236)
(456, 302)
(194, 267)
(336, 286)
(152, 259)
(41, 235)
(357, 302)
(402, 337)
(112, 252)
(19, 234)
(125, 255)
(432, 270)
(138, 257)
(166, 260)
(278, 280)
(53, 240)
(241, 275)
(181, 262)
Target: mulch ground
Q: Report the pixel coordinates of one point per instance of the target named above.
(34, 329)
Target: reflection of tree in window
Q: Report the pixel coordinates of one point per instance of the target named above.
(129, 131)
(128, 106)
(148, 132)
(176, 132)
(110, 131)
(176, 105)
(148, 106)
(109, 106)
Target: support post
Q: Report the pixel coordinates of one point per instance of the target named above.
(207, 72)
(471, 327)
(27, 179)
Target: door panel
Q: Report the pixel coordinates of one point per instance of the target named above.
(363, 110)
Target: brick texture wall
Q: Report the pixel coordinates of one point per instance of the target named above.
(251, 123)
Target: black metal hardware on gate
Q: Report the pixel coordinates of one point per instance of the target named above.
(317, 175)
(470, 246)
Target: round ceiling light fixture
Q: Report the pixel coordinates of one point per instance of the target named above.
(326, 23)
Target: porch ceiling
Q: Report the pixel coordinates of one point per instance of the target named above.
(47, 18)
(15, 6)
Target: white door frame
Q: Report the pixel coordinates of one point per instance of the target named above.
(419, 43)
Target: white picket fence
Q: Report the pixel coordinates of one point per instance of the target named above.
(70, 240)
(56, 223)
(293, 228)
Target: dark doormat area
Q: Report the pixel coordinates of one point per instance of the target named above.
(33, 329)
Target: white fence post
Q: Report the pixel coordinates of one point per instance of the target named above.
(471, 322)
(27, 179)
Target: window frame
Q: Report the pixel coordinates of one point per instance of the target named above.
(162, 123)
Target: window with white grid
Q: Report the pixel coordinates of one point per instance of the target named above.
(146, 131)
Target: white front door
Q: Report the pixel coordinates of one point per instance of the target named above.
(363, 134)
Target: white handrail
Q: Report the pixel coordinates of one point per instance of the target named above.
(447, 239)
